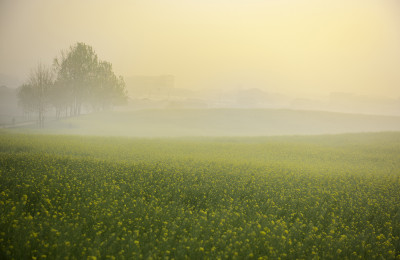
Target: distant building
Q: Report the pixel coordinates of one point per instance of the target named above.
(150, 86)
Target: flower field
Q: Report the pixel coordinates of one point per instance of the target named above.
(79, 197)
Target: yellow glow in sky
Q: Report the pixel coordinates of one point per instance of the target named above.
(299, 47)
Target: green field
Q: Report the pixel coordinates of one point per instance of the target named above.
(83, 197)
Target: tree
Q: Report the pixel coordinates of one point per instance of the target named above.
(107, 89)
(34, 95)
(59, 99)
(84, 79)
(25, 99)
(75, 72)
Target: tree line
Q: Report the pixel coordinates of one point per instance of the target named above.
(76, 79)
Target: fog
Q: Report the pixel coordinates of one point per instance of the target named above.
(336, 56)
(302, 48)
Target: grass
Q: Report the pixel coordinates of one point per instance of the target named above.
(82, 197)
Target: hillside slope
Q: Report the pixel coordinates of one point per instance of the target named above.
(220, 122)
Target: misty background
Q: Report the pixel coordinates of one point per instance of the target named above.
(336, 56)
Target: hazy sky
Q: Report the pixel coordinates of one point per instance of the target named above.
(302, 47)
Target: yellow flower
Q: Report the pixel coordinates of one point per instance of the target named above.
(381, 236)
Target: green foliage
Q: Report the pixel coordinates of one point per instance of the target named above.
(289, 197)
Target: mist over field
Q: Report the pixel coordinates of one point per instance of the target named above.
(336, 56)
(224, 129)
(214, 123)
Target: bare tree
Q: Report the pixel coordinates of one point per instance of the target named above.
(34, 95)
(25, 99)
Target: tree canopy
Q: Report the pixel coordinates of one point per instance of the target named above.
(84, 79)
